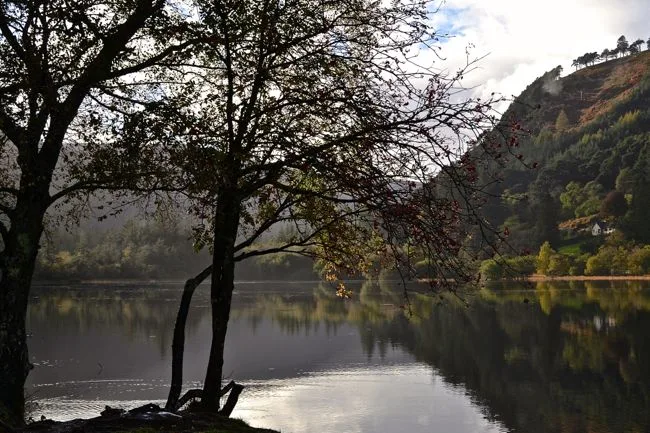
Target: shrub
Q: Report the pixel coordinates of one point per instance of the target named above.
(491, 270)
(558, 265)
(638, 261)
(523, 265)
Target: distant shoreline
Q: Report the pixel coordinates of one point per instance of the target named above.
(161, 281)
(538, 278)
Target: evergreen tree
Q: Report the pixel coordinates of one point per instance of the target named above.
(545, 212)
(622, 45)
(562, 121)
(605, 54)
(635, 47)
(635, 224)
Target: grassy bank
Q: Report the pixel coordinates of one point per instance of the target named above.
(189, 423)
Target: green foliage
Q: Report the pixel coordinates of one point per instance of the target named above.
(588, 207)
(636, 223)
(151, 249)
(638, 262)
(491, 270)
(610, 260)
(571, 198)
(572, 250)
(138, 249)
(523, 265)
(581, 201)
(625, 180)
(578, 265)
(579, 165)
(544, 258)
(625, 123)
(558, 264)
(508, 268)
(597, 265)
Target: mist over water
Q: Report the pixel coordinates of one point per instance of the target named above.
(572, 355)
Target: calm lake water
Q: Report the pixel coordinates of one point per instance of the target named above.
(561, 357)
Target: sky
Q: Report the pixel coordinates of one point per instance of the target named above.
(522, 39)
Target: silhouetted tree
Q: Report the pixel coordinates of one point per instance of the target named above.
(622, 45)
(635, 47)
(66, 66)
(606, 54)
(305, 116)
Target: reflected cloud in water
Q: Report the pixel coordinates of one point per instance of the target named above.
(526, 358)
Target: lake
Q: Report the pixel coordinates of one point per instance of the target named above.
(544, 357)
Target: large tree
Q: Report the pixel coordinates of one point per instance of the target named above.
(64, 67)
(314, 115)
(321, 117)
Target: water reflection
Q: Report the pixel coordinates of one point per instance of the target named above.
(560, 357)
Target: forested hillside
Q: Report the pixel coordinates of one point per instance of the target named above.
(584, 158)
(588, 139)
(154, 248)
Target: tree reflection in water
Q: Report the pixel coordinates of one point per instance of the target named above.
(563, 357)
(553, 357)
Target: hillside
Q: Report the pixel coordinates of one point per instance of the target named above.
(585, 95)
(588, 135)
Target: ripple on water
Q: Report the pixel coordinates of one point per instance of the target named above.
(65, 409)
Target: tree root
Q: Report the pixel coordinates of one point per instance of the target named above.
(234, 388)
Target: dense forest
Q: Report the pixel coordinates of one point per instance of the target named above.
(584, 207)
(153, 248)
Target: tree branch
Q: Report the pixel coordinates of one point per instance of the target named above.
(152, 61)
(9, 36)
(4, 232)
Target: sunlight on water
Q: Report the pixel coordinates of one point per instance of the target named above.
(345, 400)
(350, 401)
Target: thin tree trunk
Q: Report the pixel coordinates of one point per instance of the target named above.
(178, 344)
(222, 286)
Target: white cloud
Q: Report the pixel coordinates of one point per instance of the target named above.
(523, 38)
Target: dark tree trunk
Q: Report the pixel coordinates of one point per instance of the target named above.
(178, 344)
(17, 268)
(222, 285)
(233, 397)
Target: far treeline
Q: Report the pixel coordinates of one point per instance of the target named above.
(156, 248)
(623, 47)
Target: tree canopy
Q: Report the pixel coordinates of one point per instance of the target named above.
(310, 115)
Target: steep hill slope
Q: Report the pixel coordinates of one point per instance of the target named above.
(588, 134)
